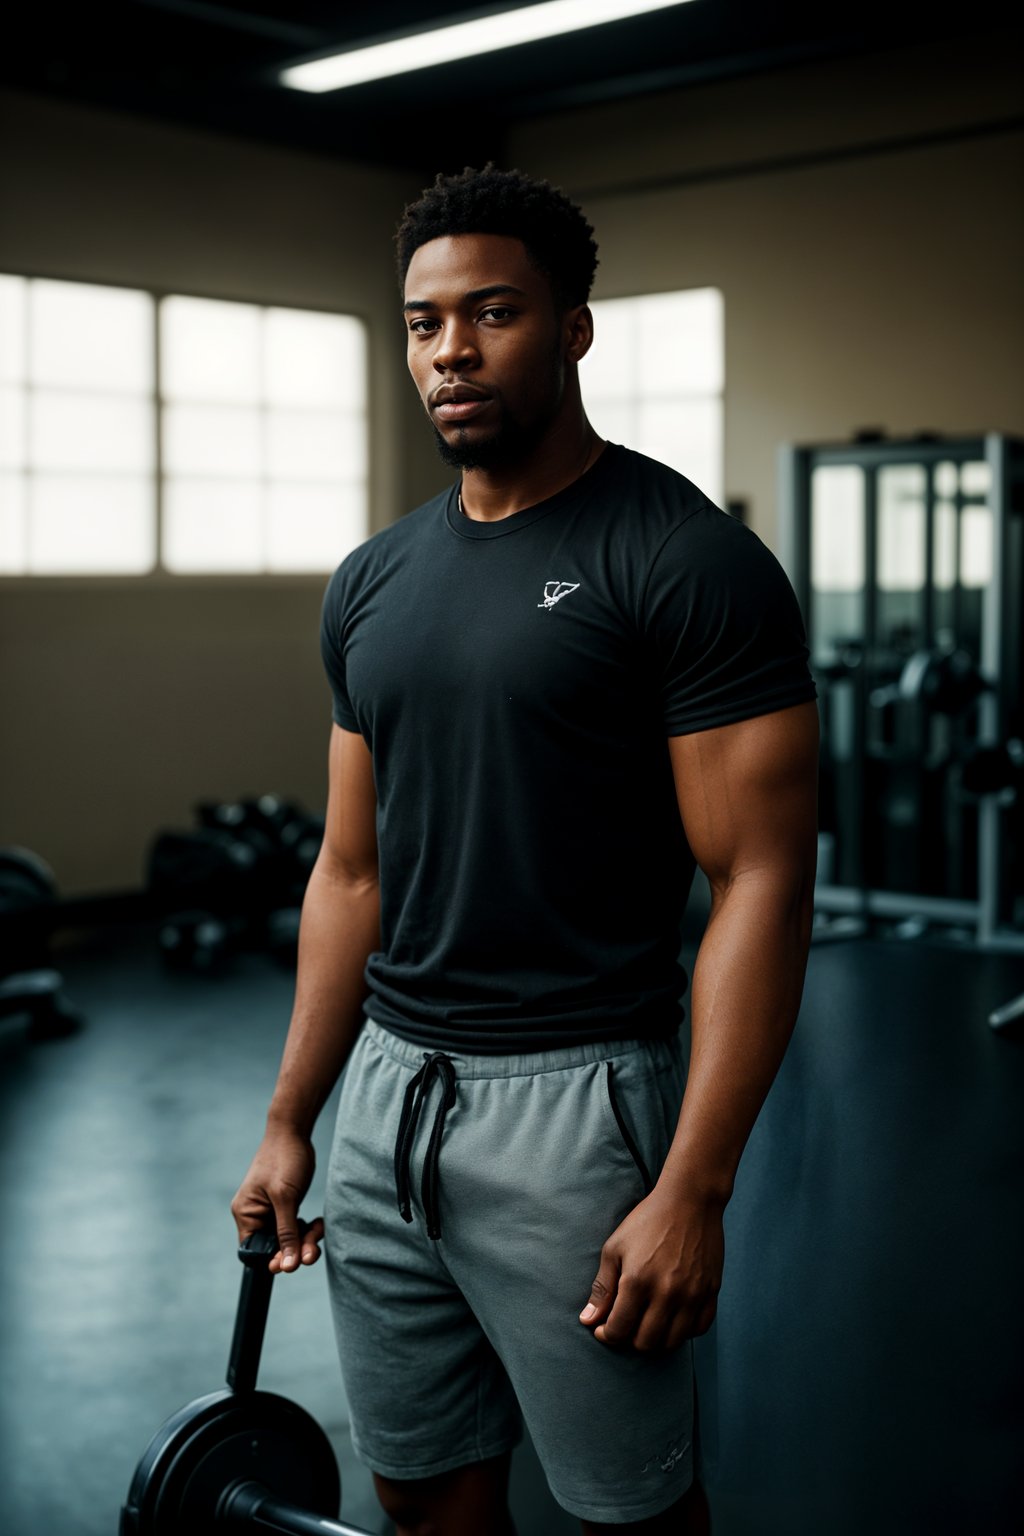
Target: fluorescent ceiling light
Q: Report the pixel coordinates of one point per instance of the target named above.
(462, 40)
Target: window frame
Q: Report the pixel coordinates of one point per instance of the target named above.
(635, 400)
(161, 576)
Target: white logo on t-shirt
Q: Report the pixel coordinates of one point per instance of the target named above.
(554, 591)
(666, 1460)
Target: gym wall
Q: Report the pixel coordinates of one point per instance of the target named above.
(123, 701)
(867, 237)
(861, 217)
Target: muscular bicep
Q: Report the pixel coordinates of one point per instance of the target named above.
(748, 795)
(350, 832)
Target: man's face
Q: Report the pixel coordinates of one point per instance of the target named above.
(486, 347)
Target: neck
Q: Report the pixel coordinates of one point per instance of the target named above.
(487, 495)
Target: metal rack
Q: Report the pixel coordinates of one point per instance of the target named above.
(908, 561)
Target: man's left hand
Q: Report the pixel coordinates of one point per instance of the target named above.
(660, 1275)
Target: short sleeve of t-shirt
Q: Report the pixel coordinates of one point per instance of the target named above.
(332, 651)
(724, 626)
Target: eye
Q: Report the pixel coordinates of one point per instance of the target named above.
(496, 312)
(423, 325)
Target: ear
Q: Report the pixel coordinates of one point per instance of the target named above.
(579, 332)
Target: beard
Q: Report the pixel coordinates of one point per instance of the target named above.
(511, 440)
(507, 444)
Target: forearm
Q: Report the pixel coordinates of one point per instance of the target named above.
(747, 983)
(340, 928)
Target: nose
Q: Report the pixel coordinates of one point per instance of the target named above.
(456, 347)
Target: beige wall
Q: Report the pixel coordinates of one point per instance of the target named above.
(124, 702)
(883, 289)
(874, 289)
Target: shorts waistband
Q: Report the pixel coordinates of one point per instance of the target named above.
(518, 1064)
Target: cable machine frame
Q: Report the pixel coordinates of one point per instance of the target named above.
(1000, 659)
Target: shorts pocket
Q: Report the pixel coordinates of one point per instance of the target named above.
(622, 1126)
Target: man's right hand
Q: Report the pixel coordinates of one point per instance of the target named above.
(270, 1196)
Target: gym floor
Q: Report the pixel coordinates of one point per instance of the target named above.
(863, 1374)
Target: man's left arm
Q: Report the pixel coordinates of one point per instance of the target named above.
(748, 799)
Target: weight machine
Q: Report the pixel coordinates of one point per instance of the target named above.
(907, 558)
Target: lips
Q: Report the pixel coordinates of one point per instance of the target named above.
(461, 410)
(459, 402)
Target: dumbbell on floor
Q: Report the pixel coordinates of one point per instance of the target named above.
(29, 986)
(239, 1459)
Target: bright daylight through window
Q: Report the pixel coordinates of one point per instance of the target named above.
(654, 377)
(247, 453)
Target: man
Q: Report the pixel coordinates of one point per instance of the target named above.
(555, 686)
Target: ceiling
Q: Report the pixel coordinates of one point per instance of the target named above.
(215, 65)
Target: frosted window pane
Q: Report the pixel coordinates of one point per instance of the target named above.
(315, 446)
(608, 370)
(313, 528)
(679, 340)
(91, 432)
(91, 523)
(213, 525)
(210, 350)
(976, 478)
(975, 546)
(314, 359)
(901, 528)
(947, 479)
(13, 309)
(213, 440)
(944, 551)
(84, 336)
(614, 420)
(837, 528)
(12, 428)
(13, 524)
(686, 435)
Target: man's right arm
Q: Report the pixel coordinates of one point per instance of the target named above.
(340, 928)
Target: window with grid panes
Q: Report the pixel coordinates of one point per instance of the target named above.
(193, 435)
(654, 378)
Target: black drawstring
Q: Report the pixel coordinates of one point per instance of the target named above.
(435, 1065)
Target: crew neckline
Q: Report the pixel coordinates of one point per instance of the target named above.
(469, 528)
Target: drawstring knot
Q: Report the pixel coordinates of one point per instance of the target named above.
(435, 1065)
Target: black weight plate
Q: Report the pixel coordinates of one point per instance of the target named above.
(217, 1440)
(285, 1451)
(137, 1514)
(26, 880)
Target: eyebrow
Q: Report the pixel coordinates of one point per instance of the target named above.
(473, 297)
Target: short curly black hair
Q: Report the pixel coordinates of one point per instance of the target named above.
(555, 232)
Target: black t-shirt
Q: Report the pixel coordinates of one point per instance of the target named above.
(516, 682)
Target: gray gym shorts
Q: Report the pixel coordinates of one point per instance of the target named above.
(447, 1343)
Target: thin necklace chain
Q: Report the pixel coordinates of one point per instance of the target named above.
(594, 439)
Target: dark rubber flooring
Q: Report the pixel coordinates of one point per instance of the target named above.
(865, 1371)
